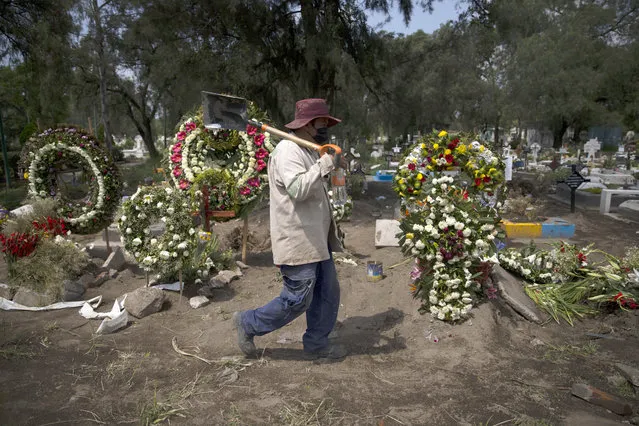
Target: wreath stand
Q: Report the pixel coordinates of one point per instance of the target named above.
(208, 214)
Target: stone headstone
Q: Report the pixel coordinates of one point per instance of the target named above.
(144, 301)
(591, 148)
(386, 233)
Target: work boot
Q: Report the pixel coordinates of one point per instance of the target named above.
(244, 341)
(329, 352)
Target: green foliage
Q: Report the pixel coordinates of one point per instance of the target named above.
(29, 130)
(46, 269)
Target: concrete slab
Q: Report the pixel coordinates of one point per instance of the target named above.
(513, 293)
(386, 233)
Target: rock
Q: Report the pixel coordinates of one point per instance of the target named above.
(630, 373)
(113, 273)
(87, 279)
(386, 233)
(6, 291)
(241, 264)
(144, 301)
(537, 342)
(199, 301)
(73, 290)
(223, 278)
(513, 293)
(28, 297)
(115, 260)
(100, 279)
(602, 399)
(206, 291)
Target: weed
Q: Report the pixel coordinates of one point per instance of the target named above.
(156, 412)
(567, 351)
(307, 413)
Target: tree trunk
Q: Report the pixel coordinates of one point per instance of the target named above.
(104, 104)
(558, 134)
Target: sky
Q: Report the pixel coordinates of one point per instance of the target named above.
(425, 21)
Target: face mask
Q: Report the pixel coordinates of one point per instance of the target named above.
(322, 135)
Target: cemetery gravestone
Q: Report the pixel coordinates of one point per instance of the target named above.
(591, 148)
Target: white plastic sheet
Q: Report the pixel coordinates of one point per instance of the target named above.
(10, 305)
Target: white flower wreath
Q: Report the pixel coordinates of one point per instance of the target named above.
(194, 152)
(172, 249)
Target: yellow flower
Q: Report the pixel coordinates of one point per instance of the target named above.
(461, 148)
(442, 133)
(410, 236)
(435, 146)
(447, 152)
(481, 148)
(26, 175)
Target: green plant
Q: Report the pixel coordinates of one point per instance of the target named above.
(46, 269)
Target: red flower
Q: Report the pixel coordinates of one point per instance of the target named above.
(411, 166)
(258, 139)
(261, 154)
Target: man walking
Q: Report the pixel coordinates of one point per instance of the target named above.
(303, 235)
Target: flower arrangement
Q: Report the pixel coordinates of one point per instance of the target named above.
(449, 225)
(171, 250)
(565, 283)
(54, 148)
(243, 154)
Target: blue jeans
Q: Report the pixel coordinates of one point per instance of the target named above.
(312, 288)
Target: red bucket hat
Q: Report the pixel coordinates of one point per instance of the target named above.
(307, 110)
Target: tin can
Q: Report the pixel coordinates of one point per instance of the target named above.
(374, 271)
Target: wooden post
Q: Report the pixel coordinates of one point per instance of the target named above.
(244, 238)
(181, 286)
(106, 238)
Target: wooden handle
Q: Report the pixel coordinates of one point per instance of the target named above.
(322, 149)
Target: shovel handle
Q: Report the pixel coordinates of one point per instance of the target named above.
(322, 149)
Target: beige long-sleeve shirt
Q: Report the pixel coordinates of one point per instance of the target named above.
(302, 226)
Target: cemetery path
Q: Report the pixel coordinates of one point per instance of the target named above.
(403, 368)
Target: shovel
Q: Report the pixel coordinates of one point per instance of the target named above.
(229, 112)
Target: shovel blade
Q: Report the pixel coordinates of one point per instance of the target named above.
(224, 112)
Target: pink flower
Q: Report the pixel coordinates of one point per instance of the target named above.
(177, 172)
(258, 139)
(254, 182)
(176, 158)
(260, 165)
(250, 130)
(261, 154)
(181, 135)
(184, 184)
(190, 126)
(245, 190)
(177, 148)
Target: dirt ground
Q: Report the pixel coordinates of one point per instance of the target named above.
(403, 367)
